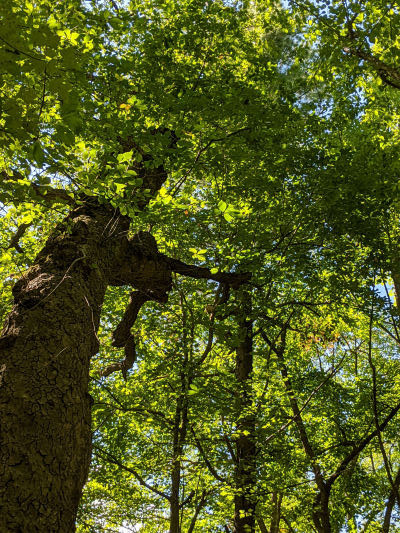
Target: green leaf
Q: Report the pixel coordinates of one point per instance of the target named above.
(126, 156)
(222, 206)
(120, 187)
(38, 153)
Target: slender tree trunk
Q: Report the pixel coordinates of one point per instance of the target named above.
(261, 525)
(321, 514)
(48, 340)
(289, 527)
(391, 503)
(201, 503)
(180, 431)
(388, 513)
(396, 280)
(245, 469)
(276, 513)
(174, 518)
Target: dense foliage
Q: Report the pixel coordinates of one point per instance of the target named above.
(278, 125)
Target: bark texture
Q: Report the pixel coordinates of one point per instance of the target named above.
(45, 350)
(276, 512)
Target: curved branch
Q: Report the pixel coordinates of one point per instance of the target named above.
(205, 458)
(122, 332)
(127, 363)
(233, 279)
(113, 460)
(122, 336)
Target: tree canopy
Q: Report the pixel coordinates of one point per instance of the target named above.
(217, 184)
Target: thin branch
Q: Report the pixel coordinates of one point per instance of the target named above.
(217, 300)
(199, 154)
(330, 375)
(111, 459)
(205, 458)
(375, 408)
(17, 51)
(358, 449)
(228, 443)
(43, 95)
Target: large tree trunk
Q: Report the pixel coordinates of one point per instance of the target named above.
(48, 340)
(245, 469)
(46, 346)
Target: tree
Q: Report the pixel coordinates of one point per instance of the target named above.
(237, 144)
(109, 159)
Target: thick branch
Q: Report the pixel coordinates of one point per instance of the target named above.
(51, 195)
(233, 279)
(14, 241)
(47, 193)
(123, 330)
(388, 74)
(122, 336)
(157, 268)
